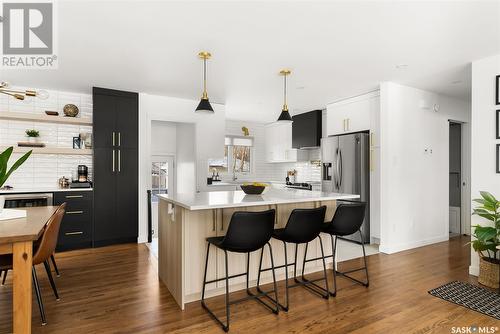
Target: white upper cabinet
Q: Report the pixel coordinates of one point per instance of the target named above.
(352, 115)
(279, 143)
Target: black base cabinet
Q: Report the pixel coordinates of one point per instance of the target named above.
(77, 225)
(116, 166)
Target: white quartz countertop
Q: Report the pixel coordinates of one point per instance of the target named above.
(235, 199)
(41, 190)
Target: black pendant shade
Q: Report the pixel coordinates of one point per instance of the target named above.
(204, 106)
(285, 116)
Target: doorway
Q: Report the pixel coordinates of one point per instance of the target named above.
(162, 182)
(455, 178)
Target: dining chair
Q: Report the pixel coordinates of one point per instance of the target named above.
(41, 254)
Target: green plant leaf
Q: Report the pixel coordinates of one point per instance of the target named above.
(488, 197)
(485, 233)
(4, 158)
(19, 162)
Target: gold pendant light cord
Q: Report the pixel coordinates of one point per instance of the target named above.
(285, 107)
(205, 94)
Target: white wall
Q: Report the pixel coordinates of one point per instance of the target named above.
(185, 164)
(483, 169)
(207, 138)
(44, 170)
(414, 182)
(163, 138)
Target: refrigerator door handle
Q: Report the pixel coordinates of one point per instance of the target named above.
(336, 173)
(340, 168)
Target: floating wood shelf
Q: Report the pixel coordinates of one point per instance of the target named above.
(50, 150)
(17, 116)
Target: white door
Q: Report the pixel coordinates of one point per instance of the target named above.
(454, 219)
(162, 182)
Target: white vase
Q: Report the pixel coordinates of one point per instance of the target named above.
(2, 203)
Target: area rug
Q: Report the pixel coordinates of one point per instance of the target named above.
(471, 296)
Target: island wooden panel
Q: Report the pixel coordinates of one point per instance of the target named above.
(183, 246)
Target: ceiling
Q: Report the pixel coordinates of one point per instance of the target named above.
(334, 49)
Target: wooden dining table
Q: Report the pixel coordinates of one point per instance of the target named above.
(16, 238)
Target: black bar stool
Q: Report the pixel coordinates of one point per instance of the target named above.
(246, 233)
(303, 226)
(347, 220)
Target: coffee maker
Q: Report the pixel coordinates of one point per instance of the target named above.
(83, 173)
(82, 178)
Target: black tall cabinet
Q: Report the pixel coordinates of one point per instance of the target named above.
(116, 184)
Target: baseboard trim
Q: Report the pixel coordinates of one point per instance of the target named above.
(391, 249)
(474, 270)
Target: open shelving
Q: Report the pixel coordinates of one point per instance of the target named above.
(18, 116)
(50, 150)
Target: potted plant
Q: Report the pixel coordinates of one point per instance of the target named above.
(5, 172)
(32, 135)
(487, 239)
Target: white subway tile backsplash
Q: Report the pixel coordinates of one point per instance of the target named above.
(44, 170)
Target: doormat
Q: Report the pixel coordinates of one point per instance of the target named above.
(470, 296)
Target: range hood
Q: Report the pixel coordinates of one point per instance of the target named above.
(306, 130)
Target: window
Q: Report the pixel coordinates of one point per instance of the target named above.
(237, 156)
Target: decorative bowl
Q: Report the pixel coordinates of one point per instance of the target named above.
(253, 188)
(70, 110)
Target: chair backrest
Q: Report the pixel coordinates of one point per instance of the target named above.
(348, 218)
(304, 225)
(48, 241)
(249, 231)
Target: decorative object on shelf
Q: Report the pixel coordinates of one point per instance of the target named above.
(64, 182)
(246, 133)
(22, 94)
(285, 115)
(76, 143)
(86, 140)
(488, 239)
(30, 144)
(32, 135)
(51, 113)
(5, 172)
(497, 90)
(70, 110)
(254, 188)
(204, 105)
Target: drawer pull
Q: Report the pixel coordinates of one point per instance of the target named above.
(73, 233)
(74, 196)
(74, 212)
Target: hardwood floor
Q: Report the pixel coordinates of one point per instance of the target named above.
(116, 290)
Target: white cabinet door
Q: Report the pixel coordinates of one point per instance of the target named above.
(351, 115)
(279, 143)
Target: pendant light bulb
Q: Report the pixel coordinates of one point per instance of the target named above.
(204, 105)
(285, 114)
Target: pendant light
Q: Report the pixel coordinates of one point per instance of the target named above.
(204, 105)
(22, 94)
(285, 115)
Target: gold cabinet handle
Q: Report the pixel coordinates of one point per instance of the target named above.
(113, 138)
(119, 161)
(74, 196)
(372, 168)
(73, 233)
(119, 139)
(113, 160)
(79, 212)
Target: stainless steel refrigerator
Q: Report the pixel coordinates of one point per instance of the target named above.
(346, 169)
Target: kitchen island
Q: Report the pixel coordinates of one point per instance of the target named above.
(186, 220)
